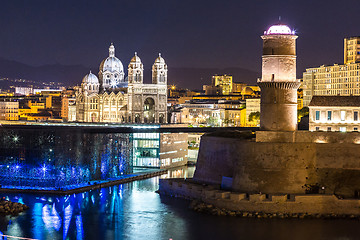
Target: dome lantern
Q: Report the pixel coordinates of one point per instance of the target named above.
(279, 29)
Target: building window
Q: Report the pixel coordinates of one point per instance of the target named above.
(329, 129)
(329, 115)
(355, 129)
(317, 115)
(342, 129)
(317, 128)
(356, 116)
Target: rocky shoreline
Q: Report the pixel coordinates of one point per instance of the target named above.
(203, 207)
(11, 208)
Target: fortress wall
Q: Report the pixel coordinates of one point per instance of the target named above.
(308, 137)
(306, 204)
(216, 159)
(277, 168)
(273, 167)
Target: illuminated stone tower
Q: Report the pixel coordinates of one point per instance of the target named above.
(278, 108)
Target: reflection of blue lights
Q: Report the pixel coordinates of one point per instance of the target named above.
(21, 200)
(79, 228)
(51, 218)
(67, 218)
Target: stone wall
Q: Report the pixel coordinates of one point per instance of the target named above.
(308, 137)
(310, 204)
(282, 167)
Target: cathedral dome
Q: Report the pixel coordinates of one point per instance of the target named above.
(159, 59)
(111, 63)
(135, 59)
(247, 91)
(279, 29)
(90, 79)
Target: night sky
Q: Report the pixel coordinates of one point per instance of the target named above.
(188, 33)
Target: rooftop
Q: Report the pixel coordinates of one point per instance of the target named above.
(335, 101)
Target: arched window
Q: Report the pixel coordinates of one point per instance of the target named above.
(161, 118)
(137, 118)
(149, 110)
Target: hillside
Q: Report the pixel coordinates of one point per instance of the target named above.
(69, 75)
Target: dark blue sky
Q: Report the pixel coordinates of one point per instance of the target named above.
(188, 33)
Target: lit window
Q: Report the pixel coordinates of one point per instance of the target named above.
(317, 115)
(342, 129)
(342, 115)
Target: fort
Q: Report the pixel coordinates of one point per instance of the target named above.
(277, 169)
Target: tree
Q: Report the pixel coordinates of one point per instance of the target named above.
(211, 121)
(254, 116)
(303, 112)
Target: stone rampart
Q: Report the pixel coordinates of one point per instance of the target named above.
(308, 137)
(311, 204)
(283, 163)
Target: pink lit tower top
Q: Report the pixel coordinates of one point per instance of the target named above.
(278, 108)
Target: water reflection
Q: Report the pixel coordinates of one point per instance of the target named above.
(135, 211)
(129, 210)
(180, 172)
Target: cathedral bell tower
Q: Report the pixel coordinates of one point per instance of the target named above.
(159, 71)
(278, 108)
(135, 70)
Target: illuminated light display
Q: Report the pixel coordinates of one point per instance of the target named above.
(51, 160)
(279, 29)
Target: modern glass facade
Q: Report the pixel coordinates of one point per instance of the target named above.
(146, 149)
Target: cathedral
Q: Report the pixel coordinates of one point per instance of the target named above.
(113, 98)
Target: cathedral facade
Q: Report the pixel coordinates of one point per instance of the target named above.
(115, 99)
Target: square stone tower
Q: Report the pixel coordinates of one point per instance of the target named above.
(278, 107)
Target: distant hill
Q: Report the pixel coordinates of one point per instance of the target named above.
(66, 74)
(69, 75)
(194, 78)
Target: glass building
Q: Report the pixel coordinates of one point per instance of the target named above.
(146, 149)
